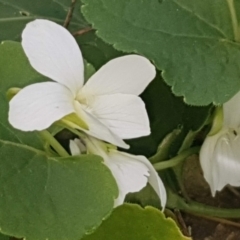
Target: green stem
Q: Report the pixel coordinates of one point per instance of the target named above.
(187, 143)
(234, 20)
(163, 148)
(175, 201)
(54, 143)
(176, 160)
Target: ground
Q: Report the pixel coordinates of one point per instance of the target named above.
(198, 190)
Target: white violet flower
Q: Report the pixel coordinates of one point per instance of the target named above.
(106, 107)
(220, 152)
(130, 172)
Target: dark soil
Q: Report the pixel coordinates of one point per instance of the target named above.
(197, 189)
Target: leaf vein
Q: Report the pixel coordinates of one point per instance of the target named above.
(201, 19)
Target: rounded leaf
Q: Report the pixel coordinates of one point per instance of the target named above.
(132, 222)
(52, 198)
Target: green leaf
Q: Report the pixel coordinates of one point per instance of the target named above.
(14, 15)
(132, 222)
(52, 198)
(166, 113)
(15, 70)
(194, 43)
(4, 237)
(89, 70)
(95, 51)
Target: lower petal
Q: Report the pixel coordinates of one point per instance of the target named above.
(38, 106)
(155, 181)
(130, 174)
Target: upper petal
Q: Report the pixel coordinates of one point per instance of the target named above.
(231, 112)
(130, 174)
(128, 74)
(97, 129)
(39, 105)
(53, 52)
(124, 114)
(220, 159)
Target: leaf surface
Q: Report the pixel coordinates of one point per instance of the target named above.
(52, 198)
(132, 222)
(194, 43)
(14, 15)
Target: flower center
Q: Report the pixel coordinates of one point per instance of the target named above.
(86, 100)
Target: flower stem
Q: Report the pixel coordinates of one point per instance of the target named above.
(192, 207)
(54, 143)
(188, 141)
(176, 160)
(163, 148)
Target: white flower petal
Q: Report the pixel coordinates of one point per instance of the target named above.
(129, 74)
(98, 129)
(130, 174)
(231, 112)
(207, 158)
(155, 181)
(220, 159)
(76, 147)
(53, 52)
(39, 105)
(124, 114)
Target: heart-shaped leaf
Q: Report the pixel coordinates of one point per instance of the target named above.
(194, 43)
